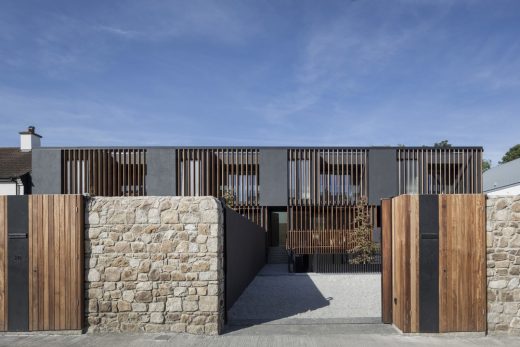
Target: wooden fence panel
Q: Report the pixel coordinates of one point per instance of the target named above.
(462, 263)
(3, 263)
(55, 262)
(386, 255)
(405, 262)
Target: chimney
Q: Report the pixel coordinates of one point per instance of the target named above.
(29, 139)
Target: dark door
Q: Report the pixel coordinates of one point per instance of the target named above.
(278, 227)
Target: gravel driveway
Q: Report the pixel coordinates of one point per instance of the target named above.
(277, 296)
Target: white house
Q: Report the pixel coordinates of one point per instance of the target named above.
(503, 179)
(15, 164)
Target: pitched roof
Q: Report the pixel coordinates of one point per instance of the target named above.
(501, 176)
(14, 163)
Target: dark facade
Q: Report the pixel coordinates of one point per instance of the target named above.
(305, 198)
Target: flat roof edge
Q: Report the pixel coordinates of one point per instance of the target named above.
(261, 147)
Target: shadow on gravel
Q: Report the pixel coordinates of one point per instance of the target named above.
(275, 296)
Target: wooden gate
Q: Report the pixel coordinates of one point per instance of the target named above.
(55, 263)
(438, 263)
(462, 263)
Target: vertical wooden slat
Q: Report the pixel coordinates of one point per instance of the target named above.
(56, 263)
(45, 256)
(62, 262)
(51, 256)
(405, 245)
(386, 256)
(41, 265)
(74, 280)
(3, 263)
(32, 266)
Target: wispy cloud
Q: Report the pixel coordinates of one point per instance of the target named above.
(338, 55)
(223, 21)
(264, 73)
(61, 43)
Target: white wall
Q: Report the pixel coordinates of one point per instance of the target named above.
(29, 141)
(7, 188)
(512, 190)
(11, 188)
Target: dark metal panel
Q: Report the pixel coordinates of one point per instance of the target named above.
(429, 263)
(245, 254)
(273, 177)
(382, 175)
(46, 171)
(161, 174)
(18, 264)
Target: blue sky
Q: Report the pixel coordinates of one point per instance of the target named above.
(261, 72)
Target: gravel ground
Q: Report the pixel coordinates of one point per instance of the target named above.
(277, 295)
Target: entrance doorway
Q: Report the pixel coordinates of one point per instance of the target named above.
(277, 254)
(278, 227)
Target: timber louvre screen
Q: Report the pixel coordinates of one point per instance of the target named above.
(324, 187)
(104, 172)
(440, 171)
(221, 172)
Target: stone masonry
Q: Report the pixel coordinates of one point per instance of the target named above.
(503, 264)
(154, 264)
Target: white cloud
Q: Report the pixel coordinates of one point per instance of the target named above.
(223, 21)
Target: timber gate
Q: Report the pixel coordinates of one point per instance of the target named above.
(434, 263)
(41, 262)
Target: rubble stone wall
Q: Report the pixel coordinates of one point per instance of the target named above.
(154, 264)
(503, 264)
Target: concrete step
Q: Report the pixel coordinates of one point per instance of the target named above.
(277, 255)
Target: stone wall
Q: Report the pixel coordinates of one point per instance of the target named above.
(154, 264)
(503, 264)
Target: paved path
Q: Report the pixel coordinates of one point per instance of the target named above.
(277, 296)
(270, 336)
(292, 325)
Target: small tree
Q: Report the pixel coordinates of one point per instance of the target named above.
(512, 154)
(364, 249)
(486, 164)
(229, 197)
(442, 144)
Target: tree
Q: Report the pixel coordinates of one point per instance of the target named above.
(486, 165)
(229, 197)
(442, 144)
(512, 154)
(364, 249)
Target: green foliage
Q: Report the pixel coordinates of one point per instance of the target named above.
(364, 249)
(229, 197)
(512, 154)
(486, 165)
(442, 144)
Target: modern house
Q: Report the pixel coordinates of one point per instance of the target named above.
(15, 164)
(304, 197)
(503, 179)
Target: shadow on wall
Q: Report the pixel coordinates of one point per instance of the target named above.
(273, 296)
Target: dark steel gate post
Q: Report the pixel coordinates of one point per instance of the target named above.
(18, 263)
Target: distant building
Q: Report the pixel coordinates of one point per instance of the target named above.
(503, 179)
(15, 164)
